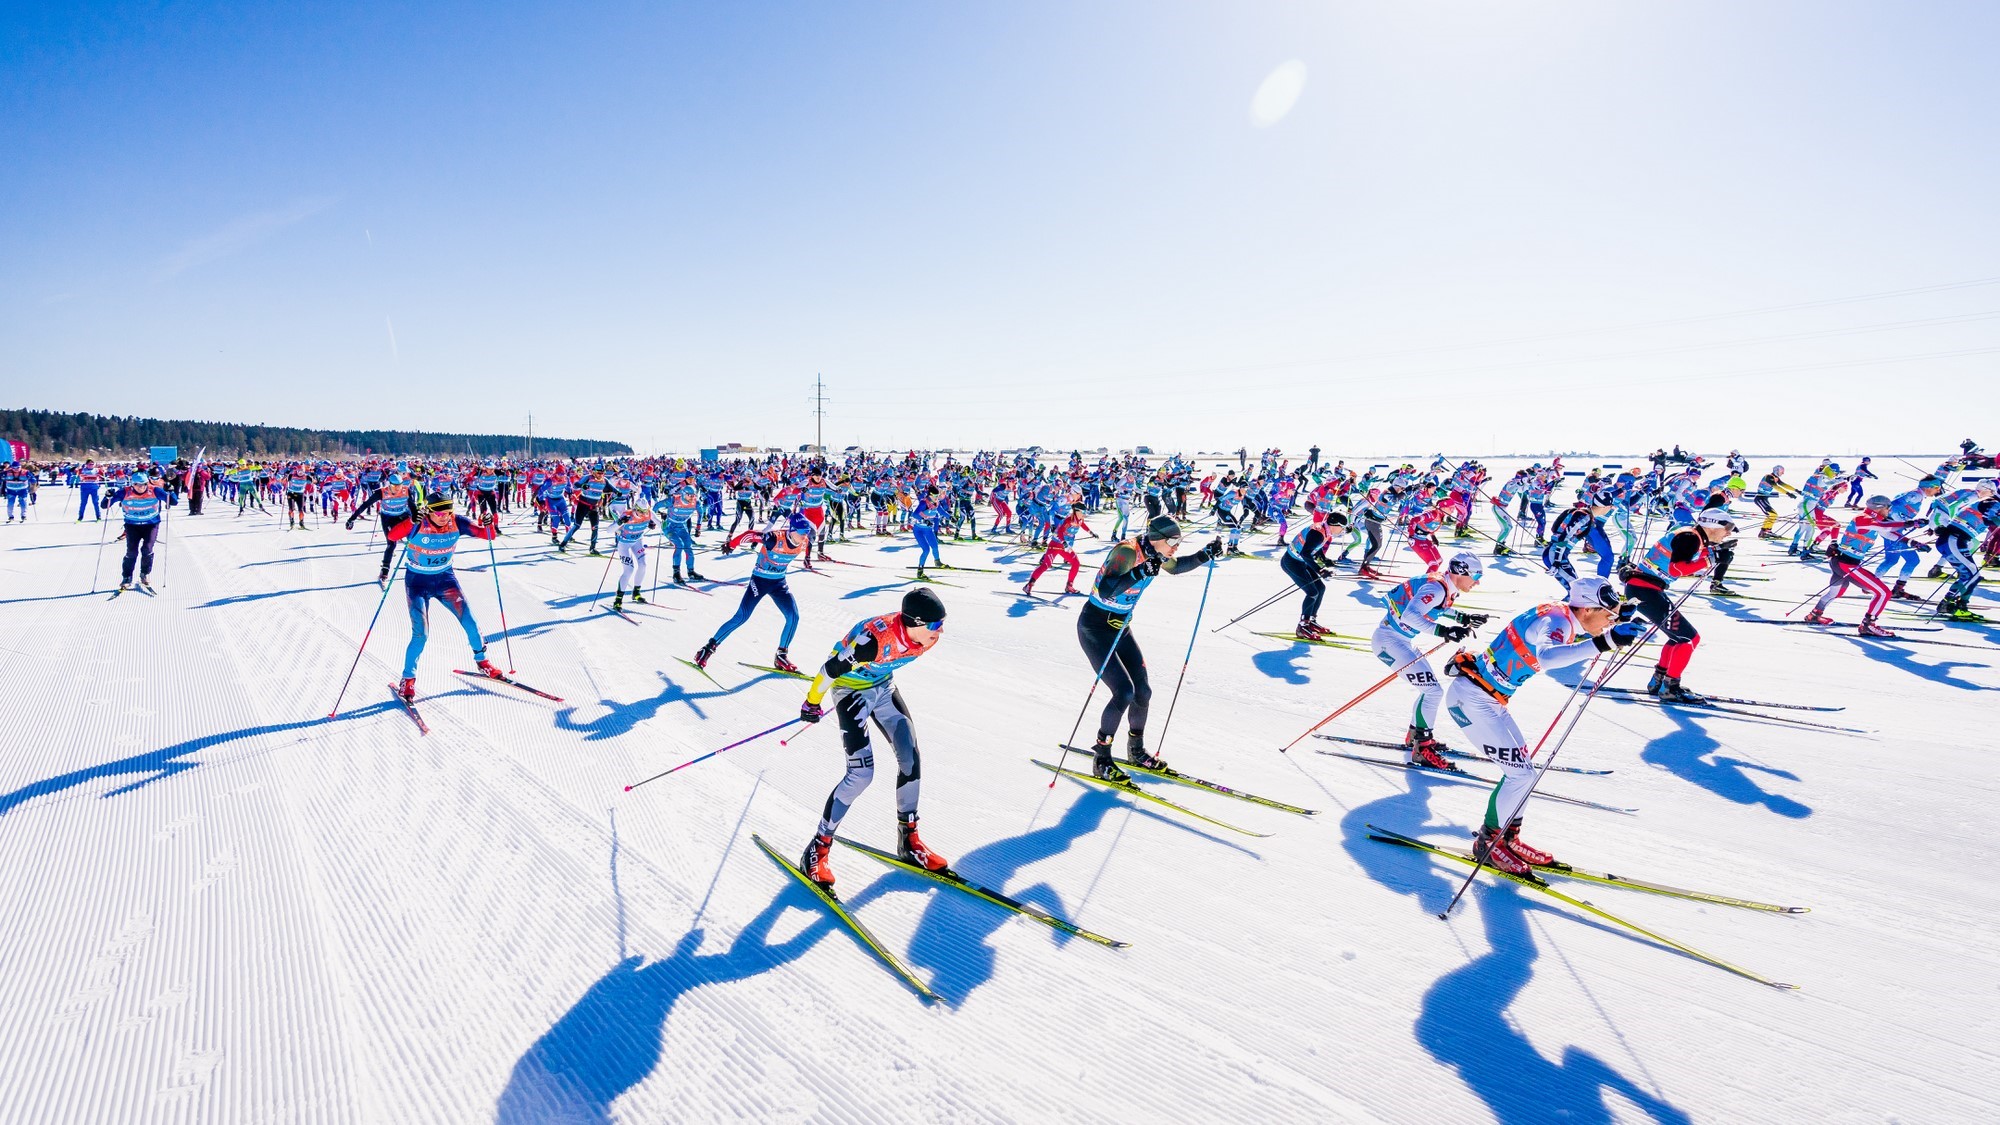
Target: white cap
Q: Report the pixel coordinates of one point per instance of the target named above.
(1715, 517)
(1592, 593)
(1465, 562)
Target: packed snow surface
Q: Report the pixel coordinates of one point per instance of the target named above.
(222, 905)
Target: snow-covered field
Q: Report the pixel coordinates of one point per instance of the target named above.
(220, 905)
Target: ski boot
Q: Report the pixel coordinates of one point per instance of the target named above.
(702, 655)
(145, 587)
(638, 596)
(595, 553)
(1793, 550)
(1815, 617)
(1808, 556)
(407, 689)
(816, 864)
(487, 669)
(350, 523)
(1936, 571)
(823, 557)
(1421, 748)
(1135, 752)
(783, 663)
(382, 579)
(1526, 853)
(1671, 691)
(1720, 591)
(678, 580)
(1900, 592)
(910, 847)
(1367, 571)
(1028, 591)
(1490, 849)
(1103, 765)
(1658, 681)
(1071, 590)
(618, 600)
(1500, 551)
(1305, 631)
(562, 548)
(692, 576)
(1870, 629)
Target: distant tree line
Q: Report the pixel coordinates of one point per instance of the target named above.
(53, 433)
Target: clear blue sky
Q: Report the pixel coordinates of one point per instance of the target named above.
(1480, 227)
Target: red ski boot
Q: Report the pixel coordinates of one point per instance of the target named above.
(1367, 571)
(486, 668)
(784, 663)
(910, 847)
(407, 689)
(1815, 617)
(1489, 848)
(1870, 629)
(1423, 749)
(1526, 853)
(706, 651)
(816, 863)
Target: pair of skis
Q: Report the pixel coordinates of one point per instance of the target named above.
(1535, 881)
(1334, 640)
(1462, 777)
(1730, 705)
(1167, 773)
(946, 877)
(410, 706)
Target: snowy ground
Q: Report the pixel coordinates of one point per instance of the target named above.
(221, 906)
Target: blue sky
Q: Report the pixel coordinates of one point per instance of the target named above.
(1481, 227)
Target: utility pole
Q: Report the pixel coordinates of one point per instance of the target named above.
(819, 414)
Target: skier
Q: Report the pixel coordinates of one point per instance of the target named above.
(787, 538)
(1305, 563)
(628, 539)
(1848, 557)
(861, 677)
(432, 537)
(1415, 607)
(1062, 546)
(1102, 629)
(1548, 636)
(140, 501)
(1681, 552)
(1962, 518)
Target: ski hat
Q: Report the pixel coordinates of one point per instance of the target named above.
(801, 525)
(922, 609)
(438, 503)
(1715, 517)
(1465, 562)
(1592, 593)
(1163, 527)
(1337, 517)
(1878, 501)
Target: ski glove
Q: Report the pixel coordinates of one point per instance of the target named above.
(810, 712)
(1621, 635)
(1453, 633)
(1473, 620)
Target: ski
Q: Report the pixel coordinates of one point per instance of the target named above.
(953, 879)
(1388, 837)
(1134, 790)
(690, 587)
(1840, 625)
(1601, 689)
(619, 612)
(846, 918)
(1039, 599)
(700, 669)
(844, 562)
(934, 582)
(1461, 755)
(410, 709)
(775, 671)
(1466, 777)
(509, 681)
(1609, 880)
(1298, 640)
(968, 569)
(1169, 774)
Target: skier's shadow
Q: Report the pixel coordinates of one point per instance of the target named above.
(950, 938)
(240, 598)
(620, 718)
(879, 588)
(609, 1040)
(1465, 1026)
(1887, 652)
(168, 761)
(1287, 664)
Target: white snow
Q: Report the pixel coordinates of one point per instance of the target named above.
(221, 906)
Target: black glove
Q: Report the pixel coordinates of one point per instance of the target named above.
(810, 712)
(1453, 633)
(1473, 620)
(1626, 570)
(1213, 551)
(1620, 635)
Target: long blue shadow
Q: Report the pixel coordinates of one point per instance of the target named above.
(621, 718)
(951, 936)
(57, 597)
(166, 762)
(1888, 652)
(240, 598)
(1464, 1025)
(1287, 664)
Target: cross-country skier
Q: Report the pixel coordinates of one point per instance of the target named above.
(1305, 563)
(432, 537)
(1416, 607)
(861, 677)
(787, 538)
(1682, 552)
(628, 539)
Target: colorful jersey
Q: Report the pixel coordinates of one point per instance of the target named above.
(872, 651)
(1415, 605)
(778, 551)
(140, 502)
(1659, 558)
(1536, 640)
(430, 550)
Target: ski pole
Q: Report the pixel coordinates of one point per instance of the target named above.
(712, 753)
(1266, 603)
(1098, 679)
(103, 525)
(493, 564)
(390, 585)
(1192, 634)
(1378, 685)
(600, 579)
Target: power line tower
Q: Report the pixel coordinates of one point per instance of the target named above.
(819, 414)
